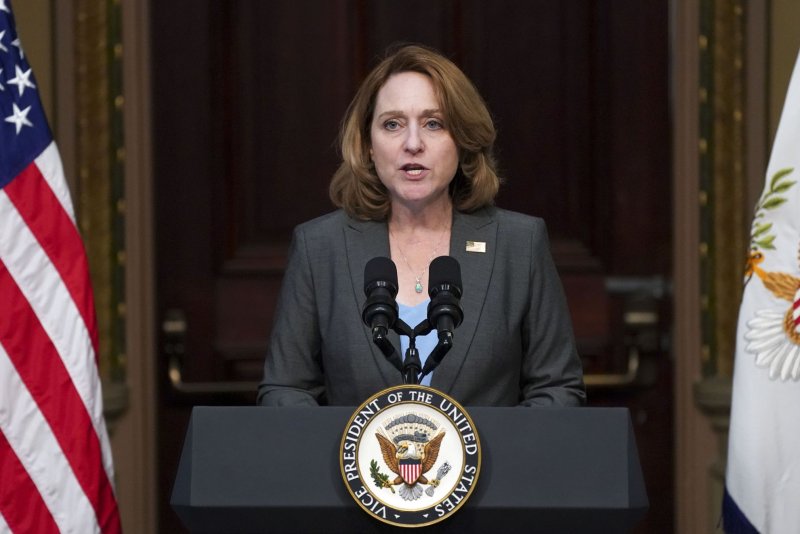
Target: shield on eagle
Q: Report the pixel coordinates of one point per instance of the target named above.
(410, 470)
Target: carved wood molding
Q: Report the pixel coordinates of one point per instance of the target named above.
(723, 184)
(100, 201)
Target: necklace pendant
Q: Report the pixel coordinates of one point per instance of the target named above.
(418, 286)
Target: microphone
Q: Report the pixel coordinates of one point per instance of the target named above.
(444, 309)
(380, 310)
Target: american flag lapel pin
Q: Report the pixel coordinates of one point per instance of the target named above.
(476, 246)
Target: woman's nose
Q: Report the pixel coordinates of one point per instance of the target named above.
(413, 143)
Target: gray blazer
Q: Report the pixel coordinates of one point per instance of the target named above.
(515, 345)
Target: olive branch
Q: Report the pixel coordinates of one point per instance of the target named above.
(760, 236)
(381, 479)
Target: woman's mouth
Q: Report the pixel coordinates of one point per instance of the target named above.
(413, 169)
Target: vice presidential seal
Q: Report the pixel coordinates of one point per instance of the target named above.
(410, 456)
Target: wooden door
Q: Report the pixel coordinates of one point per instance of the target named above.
(248, 97)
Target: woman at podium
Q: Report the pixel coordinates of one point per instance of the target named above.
(418, 181)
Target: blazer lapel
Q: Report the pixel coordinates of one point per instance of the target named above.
(365, 240)
(476, 269)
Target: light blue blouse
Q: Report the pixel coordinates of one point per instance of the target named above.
(412, 316)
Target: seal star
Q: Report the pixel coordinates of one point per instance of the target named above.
(20, 117)
(21, 80)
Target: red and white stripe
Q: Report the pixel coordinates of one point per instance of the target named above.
(53, 440)
(410, 471)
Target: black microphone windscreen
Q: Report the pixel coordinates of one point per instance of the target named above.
(380, 269)
(444, 270)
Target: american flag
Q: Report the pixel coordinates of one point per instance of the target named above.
(56, 473)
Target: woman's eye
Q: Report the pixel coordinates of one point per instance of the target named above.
(434, 124)
(391, 124)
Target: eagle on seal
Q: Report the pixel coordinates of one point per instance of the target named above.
(410, 451)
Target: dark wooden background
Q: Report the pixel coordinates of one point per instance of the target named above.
(248, 96)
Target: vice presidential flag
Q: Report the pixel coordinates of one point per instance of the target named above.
(762, 486)
(55, 460)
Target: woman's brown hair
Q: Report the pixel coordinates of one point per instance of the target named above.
(356, 188)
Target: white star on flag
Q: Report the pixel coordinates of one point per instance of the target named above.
(2, 34)
(3, 6)
(16, 43)
(2, 88)
(19, 118)
(21, 80)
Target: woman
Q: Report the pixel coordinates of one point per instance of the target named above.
(417, 181)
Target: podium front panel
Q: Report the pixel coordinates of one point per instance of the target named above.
(258, 469)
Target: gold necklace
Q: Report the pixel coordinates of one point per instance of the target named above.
(418, 279)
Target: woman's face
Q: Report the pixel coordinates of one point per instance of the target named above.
(414, 155)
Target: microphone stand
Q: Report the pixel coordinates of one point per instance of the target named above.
(411, 365)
